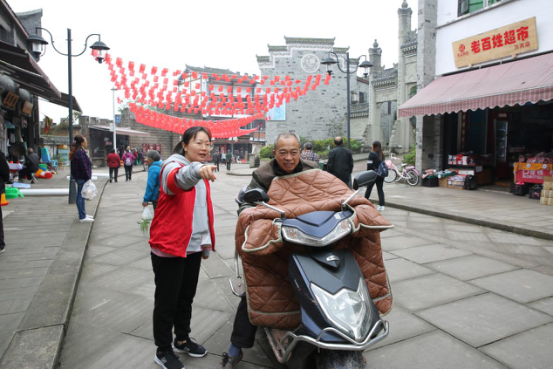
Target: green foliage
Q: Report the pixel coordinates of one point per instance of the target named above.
(266, 152)
(410, 157)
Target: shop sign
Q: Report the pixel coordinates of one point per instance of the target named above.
(27, 109)
(10, 100)
(146, 147)
(516, 38)
(532, 176)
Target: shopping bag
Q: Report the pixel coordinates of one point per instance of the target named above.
(147, 216)
(89, 190)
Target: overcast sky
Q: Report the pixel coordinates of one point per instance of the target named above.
(217, 33)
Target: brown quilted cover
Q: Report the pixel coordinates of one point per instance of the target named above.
(271, 299)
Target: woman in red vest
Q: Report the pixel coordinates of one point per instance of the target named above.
(181, 235)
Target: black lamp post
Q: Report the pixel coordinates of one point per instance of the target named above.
(37, 46)
(365, 65)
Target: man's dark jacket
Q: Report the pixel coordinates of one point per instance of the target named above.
(340, 163)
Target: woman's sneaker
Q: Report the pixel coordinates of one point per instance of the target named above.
(189, 347)
(168, 360)
(382, 208)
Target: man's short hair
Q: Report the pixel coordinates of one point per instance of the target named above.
(338, 141)
(308, 146)
(285, 135)
(153, 155)
(31, 151)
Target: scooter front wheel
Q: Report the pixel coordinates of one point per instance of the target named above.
(332, 359)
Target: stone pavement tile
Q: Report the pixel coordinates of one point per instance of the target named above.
(483, 319)
(470, 267)
(121, 256)
(508, 237)
(400, 269)
(403, 325)
(10, 322)
(23, 352)
(520, 285)
(403, 242)
(146, 290)
(5, 306)
(430, 253)
(144, 263)
(91, 347)
(530, 349)
(91, 271)
(91, 298)
(220, 342)
(433, 350)
(390, 233)
(545, 305)
(121, 279)
(467, 236)
(544, 269)
(120, 240)
(208, 295)
(223, 286)
(215, 267)
(122, 314)
(463, 228)
(388, 256)
(18, 293)
(20, 305)
(47, 253)
(430, 221)
(431, 290)
(33, 281)
(5, 339)
(16, 265)
(97, 250)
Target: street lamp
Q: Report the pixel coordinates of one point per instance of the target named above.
(365, 65)
(37, 46)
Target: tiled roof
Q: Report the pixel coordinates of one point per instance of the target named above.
(386, 74)
(301, 40)
(209, 70)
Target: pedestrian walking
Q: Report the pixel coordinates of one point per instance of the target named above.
(114, 162)
(81, 171)
(128, 159)
(228, 157)
(216, 160)
(309, 154)
(181, 234)
(4, 177)
(152, 185)
(340, 161)
(373, 162)
(140, 157)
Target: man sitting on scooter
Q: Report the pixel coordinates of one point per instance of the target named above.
(287, 161)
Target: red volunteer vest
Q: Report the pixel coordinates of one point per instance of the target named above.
(171, 228)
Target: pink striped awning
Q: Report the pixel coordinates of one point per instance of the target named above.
(518, 82)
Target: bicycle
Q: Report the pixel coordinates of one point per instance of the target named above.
(408, 173)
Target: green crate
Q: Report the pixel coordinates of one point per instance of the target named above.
(13, 193)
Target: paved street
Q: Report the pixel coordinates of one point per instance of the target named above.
(474, 297)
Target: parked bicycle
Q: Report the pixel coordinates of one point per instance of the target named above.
(408, 173)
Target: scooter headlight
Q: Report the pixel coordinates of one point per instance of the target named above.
(295, 235)
(348, 310)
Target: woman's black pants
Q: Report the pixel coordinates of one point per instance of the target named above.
(379, 184)
(176, 280)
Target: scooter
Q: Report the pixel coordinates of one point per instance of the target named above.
(344, 321)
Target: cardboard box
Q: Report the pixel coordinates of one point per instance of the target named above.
(546, 201)
(547, 194)
(456, 185)
(442, 182)
(548, 183)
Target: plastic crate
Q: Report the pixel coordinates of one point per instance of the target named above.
(431, 182)
(519, 189)
(535, 192)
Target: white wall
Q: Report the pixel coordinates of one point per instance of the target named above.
(510, 11)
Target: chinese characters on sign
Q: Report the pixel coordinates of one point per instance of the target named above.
(506, 41)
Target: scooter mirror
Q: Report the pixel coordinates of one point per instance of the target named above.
(364, 179)
(255, 195)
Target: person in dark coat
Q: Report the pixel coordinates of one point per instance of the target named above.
(340, 162)
(114, 162)
(31, 166)
(4, 177)
(373, 162)
(217, 159)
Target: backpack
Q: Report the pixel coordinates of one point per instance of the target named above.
(382, 170)
(128, 161)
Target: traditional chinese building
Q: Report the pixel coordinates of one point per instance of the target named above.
(484, 88)
(374, 99)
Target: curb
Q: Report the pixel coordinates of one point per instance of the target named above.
(461, 218)
(39, 339)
